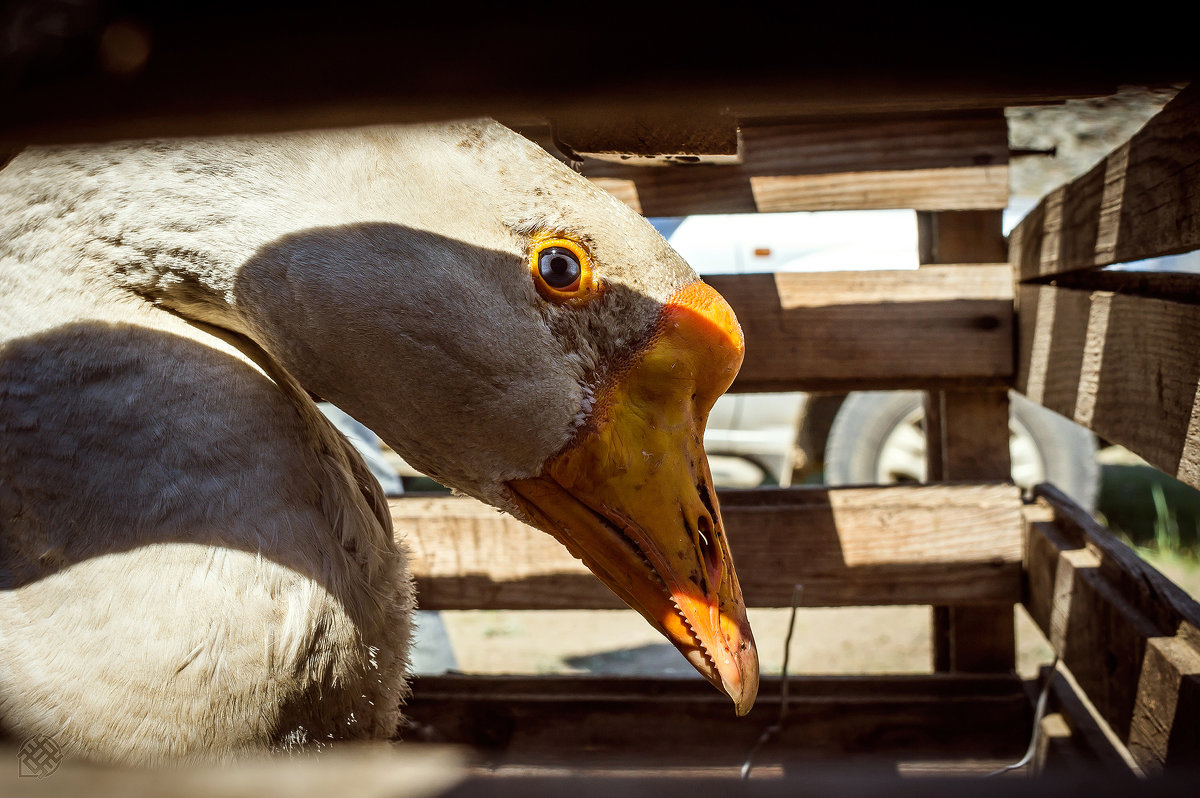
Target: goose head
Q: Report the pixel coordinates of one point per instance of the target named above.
(514, 332)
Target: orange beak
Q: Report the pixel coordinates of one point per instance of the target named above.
(632, 495)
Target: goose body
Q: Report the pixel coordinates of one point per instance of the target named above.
(193, 563)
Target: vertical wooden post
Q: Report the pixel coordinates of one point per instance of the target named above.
(966, 433)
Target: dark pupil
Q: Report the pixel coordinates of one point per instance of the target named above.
(559, 267)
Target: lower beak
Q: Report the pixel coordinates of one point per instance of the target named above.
(632, 495)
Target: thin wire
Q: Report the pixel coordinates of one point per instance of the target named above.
(1035, 736)
(1038, 713)
(777, 726)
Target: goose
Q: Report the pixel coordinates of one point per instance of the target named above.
(193, 563)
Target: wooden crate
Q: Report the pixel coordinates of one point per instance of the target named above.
(912, 118)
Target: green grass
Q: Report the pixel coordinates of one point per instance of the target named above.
(1158, 516)
(1151, 510)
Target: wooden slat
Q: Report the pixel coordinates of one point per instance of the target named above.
(972, 435)
(961, 237)
(837, 778)
(1079, 743)
(1125, 366)
(972, 431)
(680, 722)
(966, 435)
(955, 544)
(958, 188)
(650, 137)
(359, 768)
(1140, 202)
(318, 67)
(1172, 286)
(879, 329)
(928, 163)
(1129, 636)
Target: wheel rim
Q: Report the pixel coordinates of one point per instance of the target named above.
(902, 457)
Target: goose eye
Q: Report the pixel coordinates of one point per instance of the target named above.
(562, 270)
(559, 268)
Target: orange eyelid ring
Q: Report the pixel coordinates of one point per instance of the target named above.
(582, 287)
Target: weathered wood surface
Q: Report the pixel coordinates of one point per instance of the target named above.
(1171, 286)
(927, 163)
(968, 431)
(966, 434)
(1076, 740)
(1127, 367)
(649, 137)
(948, 189)
(943, 325)
(954, 544)
(828, 779)
(961, 237)
(317, 66)
(360, 769)
(1143, 200)
(1129, 636)
(573, 719)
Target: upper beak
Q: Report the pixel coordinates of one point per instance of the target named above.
(633, 498)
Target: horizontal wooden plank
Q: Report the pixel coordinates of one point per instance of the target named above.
(928, 163)
(951, 544)
(649, 137)
(832, 778)
(941, 325)
(1142, 201)
(1172, 286)
(318, 67)
(362, 769)
(1129, 636)
(950, 189)
(685, 721)
(1125, 366)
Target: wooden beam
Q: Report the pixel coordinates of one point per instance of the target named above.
(673, 135)
(1075, 738)
(357, 767)
(929, 163)
(681, 722)
(1142, 201)
(955, 544)
(961, 237)
(1079, 740)
(950, 189)
(850, 775)
(1129, 636)
(972, 435)
(1172, 286)
(1127, 367)
(316, 66)
(966, 434)
(874, 329)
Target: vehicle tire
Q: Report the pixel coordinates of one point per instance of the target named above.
(878, 438)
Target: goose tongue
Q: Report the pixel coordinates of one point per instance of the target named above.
(632, 495)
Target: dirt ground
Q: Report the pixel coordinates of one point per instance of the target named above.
(835, 640)
(826, 640)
